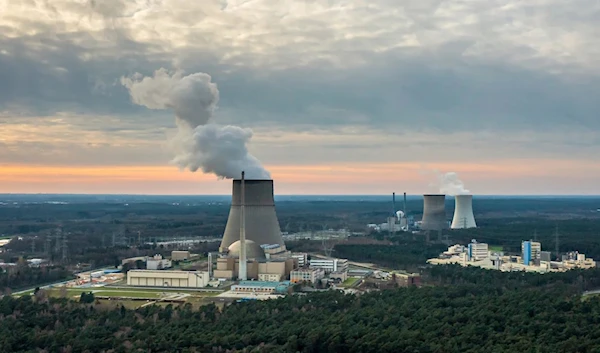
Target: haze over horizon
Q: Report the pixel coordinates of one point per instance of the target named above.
(343, 97)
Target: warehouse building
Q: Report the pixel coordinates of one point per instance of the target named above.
(157, 278)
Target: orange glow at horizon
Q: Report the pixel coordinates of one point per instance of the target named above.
(292, 179)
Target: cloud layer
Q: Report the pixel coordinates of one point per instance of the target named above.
(324, 81)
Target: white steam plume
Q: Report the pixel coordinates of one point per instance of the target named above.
(198, 144)
(450, 184)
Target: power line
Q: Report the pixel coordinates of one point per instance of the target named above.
(556, 242)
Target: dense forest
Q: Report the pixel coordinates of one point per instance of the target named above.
(22, 276)
(483, 311)
(401, 255)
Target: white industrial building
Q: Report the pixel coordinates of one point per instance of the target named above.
(477, 251)
(532, 259)
(158, 263)
(302, 259)
(329, 265)
(182, 279)
(531, 252)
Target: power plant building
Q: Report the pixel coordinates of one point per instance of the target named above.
(228, 268)
(181, 279)
(434, 213)
(463, 212)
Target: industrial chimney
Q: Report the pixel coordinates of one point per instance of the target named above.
(463, 212)
(262, 226)
(434, 212)
(243, 275)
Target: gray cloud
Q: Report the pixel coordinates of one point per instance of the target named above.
(437, 67)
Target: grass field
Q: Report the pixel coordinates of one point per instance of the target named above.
(153, 296)
(350, 282)
(496, 248)
(123, 292)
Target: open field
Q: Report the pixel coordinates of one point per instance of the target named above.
(350, 282)
(119, 296)
(496, 248)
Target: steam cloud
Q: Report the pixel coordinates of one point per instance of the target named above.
(450, 184)
(198, 144)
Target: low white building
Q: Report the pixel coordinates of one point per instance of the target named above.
(311, 275)
(181, 279)
(329, 265)
(455, 250)
(158, 263)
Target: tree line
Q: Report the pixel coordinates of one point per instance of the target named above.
(477, 311)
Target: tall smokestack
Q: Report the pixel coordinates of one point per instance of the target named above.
(405, 215)
(261, 224)
(463, 212)
(393, 204)
(243, 275)
(434, 212)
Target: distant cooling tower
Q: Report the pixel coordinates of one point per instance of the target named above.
(434, 212)
(463, 212)
(262, 226)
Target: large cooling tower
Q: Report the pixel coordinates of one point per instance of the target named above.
(434, 212)
(463, 212)
(262, 226)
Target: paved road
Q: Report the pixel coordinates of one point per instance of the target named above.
(590, 292)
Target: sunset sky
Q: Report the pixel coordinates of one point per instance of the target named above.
(343, 96)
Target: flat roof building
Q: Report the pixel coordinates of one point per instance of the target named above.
(177, 255)
(477, 251)
(161, 278)
(309, 275)
(329, 265)
(262, 287)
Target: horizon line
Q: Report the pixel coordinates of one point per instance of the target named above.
(287, 195)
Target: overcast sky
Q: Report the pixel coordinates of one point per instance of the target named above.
(343, 96)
